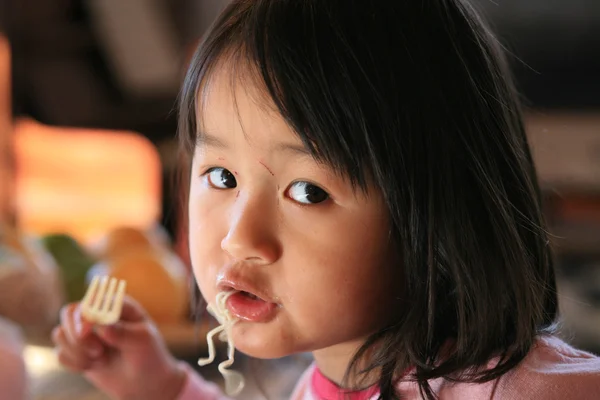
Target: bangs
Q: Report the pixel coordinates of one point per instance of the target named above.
(302, 77)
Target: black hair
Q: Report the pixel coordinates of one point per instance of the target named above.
(415, 99)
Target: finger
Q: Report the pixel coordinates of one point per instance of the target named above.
(132, 311)
(133, 327)
(68, 323)
(90, 347)
(72, 363)
(126, 334)
(71, 319)
(67, 354)
(82, 327)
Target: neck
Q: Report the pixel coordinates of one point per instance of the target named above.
(334, 361)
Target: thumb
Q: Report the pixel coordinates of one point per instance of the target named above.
(123, 335)
(133, 327)
(132, 311)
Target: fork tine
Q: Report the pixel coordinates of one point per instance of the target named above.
(113, 315)
(89, 294)
(100, 294)
(109, 295)
(88, 298)
(120, 294)
(103, 301)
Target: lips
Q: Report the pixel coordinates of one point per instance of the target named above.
(248, 304)
(250, 296)
(250, 309)
(225, 285)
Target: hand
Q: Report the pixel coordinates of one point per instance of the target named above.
(127, 360)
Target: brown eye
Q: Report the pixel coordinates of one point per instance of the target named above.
(220, 178)
(307, 193)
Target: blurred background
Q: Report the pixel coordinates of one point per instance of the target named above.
(88, 156)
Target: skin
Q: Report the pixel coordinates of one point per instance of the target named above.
(127, 361)
(327, 265)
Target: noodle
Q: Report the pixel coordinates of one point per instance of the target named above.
(234, 381)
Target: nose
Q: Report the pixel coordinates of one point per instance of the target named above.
(252, 234)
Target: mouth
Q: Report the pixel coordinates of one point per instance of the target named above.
(245, 289)
(247, 303)
(249, 295)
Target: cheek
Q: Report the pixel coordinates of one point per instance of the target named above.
(347, 277)
(204, 242)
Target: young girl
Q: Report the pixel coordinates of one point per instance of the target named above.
(361, 181)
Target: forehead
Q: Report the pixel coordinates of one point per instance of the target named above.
(233, 85)
(232, 101)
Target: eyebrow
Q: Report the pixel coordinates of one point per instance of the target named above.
(208, 140)
(292, 148)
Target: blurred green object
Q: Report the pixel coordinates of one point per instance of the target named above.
(74, 263)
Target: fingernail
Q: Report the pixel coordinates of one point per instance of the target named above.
(102, 330)
(95, 351)
(78, 328)
(110, 330)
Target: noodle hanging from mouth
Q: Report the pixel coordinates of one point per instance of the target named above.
(234, 381)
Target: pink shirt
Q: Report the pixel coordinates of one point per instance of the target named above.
(553, 370)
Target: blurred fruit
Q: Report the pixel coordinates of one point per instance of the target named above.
(50, 274)
(155, 280)
(73, 261)
(122, 240)
(30, 288)
(155, 276)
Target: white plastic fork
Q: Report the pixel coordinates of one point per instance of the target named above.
(103, 301)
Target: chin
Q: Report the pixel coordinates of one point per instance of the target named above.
(260, 342)
(261, 352)
(266, 351)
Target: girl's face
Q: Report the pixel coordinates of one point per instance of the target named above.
(267, 219)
